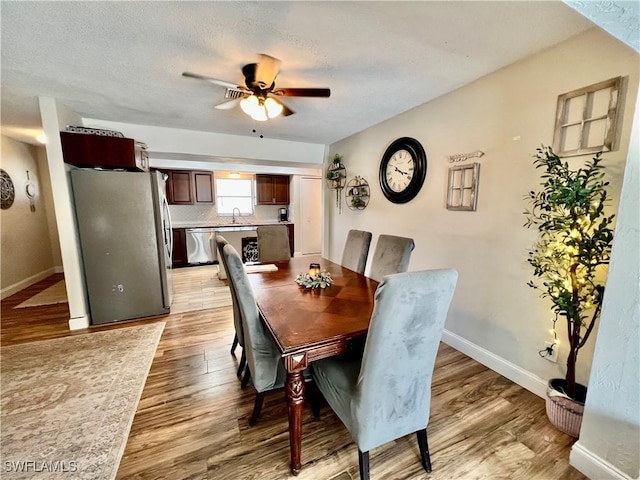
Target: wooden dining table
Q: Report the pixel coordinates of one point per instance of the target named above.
(310, 324)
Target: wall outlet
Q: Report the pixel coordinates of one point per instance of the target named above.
(551, 352)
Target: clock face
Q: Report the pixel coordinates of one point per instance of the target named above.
(403, 170)
(400, 170)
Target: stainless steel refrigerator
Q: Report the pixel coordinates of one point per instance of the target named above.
(124, 227)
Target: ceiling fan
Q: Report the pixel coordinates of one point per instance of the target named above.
(259, 97)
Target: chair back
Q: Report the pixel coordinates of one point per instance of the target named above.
(356, 250)
(263, 357)
(237, 318)
(273, 243)
(393, 391)
(392, 255)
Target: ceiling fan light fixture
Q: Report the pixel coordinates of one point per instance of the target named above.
(249, 104)
(260, 114)
(273, 107)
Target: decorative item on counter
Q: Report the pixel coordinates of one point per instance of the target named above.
(315, 278)
(336, 177)
(94, 131)
(30, 189)
(357, 193)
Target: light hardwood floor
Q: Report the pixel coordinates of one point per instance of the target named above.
(192, 420)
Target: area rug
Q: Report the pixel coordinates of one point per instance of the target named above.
(68, 403)
(56, 293)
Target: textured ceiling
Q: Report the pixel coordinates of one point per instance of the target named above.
(122, 61)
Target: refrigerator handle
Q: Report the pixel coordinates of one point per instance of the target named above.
(168, 231)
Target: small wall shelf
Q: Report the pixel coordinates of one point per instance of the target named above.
(357, 193)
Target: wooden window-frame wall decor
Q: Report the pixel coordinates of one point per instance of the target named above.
(586, 119)
(462, 191)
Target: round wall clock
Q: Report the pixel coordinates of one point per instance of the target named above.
(8, 193)
(403, 170)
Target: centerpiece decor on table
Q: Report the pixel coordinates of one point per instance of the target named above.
(315, 278)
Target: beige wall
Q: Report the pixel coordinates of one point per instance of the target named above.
(507, 115)
(28, 253)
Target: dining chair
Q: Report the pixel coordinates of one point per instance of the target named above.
(392, 255)
(264, 365)
(238, 338)
(385, 393)
(356, 250)
(273, 243)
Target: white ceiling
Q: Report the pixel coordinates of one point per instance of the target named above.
(122, 61)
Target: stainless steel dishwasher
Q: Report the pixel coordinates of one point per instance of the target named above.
(201, 246)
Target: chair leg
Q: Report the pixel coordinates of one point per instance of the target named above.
(363, 460)
(245, 379)
(243, 362)
(424, 449)
(257, 407)
(234, 344)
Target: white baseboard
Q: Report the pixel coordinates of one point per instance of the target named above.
(592, 466)
(22, 284)
(78, 323)
(513, 372)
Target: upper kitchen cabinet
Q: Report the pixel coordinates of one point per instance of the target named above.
(203, 187)
(272, 189)
(186, 187)
(87, 150)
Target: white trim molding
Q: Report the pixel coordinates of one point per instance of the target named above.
(78, 323)
(593, 466)
(27, 282)
(513, 372)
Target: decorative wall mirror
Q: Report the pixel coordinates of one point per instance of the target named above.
(586, 119)
(462, 192)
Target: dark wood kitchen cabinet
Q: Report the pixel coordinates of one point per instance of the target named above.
(203, 187)
(272, 189)
(84, 150)
(179, 190)
(179, 254)
(186, 187)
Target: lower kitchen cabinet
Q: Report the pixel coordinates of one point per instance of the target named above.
(179, 247)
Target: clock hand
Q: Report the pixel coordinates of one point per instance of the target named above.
(400, 171)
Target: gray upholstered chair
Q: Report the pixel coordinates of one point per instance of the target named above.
(273, 243)
(385, 394)
(356, 250)
(264, 365)
(392, 255)
(238, 338)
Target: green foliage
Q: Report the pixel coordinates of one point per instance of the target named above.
(575, 237)
(358, 202)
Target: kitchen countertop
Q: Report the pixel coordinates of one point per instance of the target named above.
(228, 227)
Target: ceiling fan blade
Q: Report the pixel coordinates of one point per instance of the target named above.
(215, 81)
(286, 111)
(228, 104)
(303, 92)
(267, 69)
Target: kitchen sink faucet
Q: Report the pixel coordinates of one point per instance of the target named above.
(234, 214)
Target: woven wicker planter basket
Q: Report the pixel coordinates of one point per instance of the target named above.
(564, 413)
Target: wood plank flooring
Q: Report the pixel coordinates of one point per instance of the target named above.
(192, 420)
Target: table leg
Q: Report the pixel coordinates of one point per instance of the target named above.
(295, 403)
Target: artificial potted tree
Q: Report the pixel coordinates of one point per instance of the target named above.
(569, 265)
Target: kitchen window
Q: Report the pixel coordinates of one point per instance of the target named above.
(234, 190)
